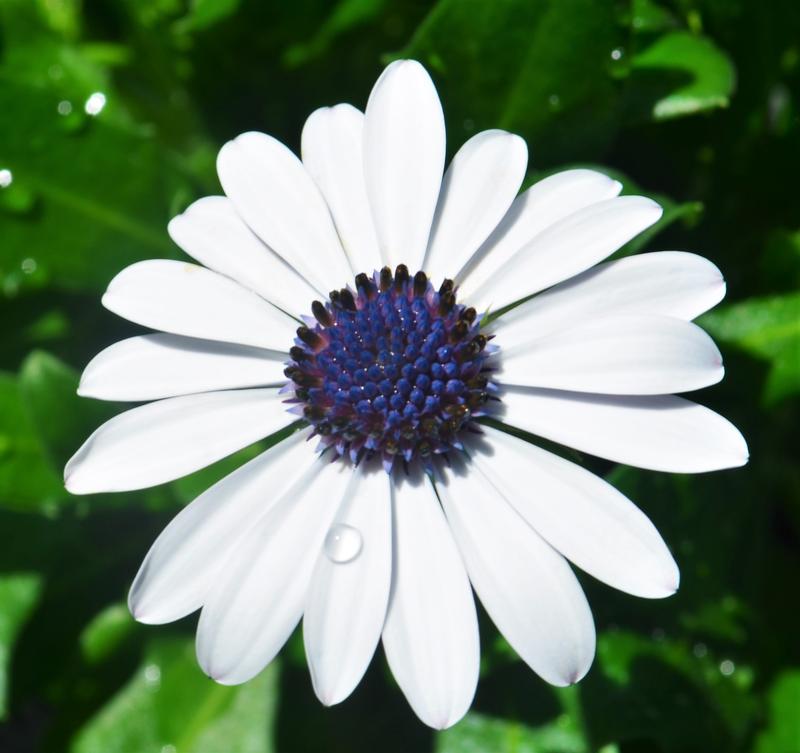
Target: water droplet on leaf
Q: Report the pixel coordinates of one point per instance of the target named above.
(95, 103)
(343, 543)
(152, 674)
(727, 667)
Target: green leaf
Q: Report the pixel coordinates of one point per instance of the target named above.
(106, 632)
(19, 593)
(170, 702)
(477, 733)
(783, 732)
(82, 223)
(769, 329)
(548, 79)
(650, 16)
(90, 189)
(63, 419)
(28, 480)
(205, 13)
(660, 689)
(346, 15)
(705, 76)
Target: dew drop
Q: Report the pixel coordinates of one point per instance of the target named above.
(29, 265)
(617, 53)
(727, 667)
(152, 674)
(6, 178)
(64, 107)
(342, 543)
(95, 103)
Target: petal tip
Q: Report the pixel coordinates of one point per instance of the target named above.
(73, 481)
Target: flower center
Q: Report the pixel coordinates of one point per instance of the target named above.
(394, 368)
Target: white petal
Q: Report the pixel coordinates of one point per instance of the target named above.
(581, 515)
(184, 562)
(543, 204)
(186, 299)
(332, 149)
(671, 283)
(659, 432)
(277, 198)
(212, 232)
(404, 146)
(618, 355)
(151, 367)
(477, 191)
(527, 587)
(431, 632)
(346, 601)
(170, 438)
(566, 248)
(258, 600)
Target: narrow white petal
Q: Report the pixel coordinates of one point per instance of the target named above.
(659, 432)
(170, 438)
(150, 367)
(671, 283)
(212, 232)
(543, 204)
(581, 515)
(618, 355)
(277, 198)
(404, 148)
(527, 587)
(186, 299)
(566, 248)
(185, 561)
(431, 632)
(259, 598)
(346, 601)
(332, 149)
(477, 191)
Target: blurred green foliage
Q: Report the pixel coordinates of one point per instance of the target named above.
(695, 102)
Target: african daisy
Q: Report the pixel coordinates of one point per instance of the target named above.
(383, 291)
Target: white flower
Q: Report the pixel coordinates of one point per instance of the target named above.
(395, 372)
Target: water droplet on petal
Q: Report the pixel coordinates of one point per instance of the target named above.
(343, 543)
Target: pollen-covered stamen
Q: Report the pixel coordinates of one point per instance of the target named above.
(393, 368)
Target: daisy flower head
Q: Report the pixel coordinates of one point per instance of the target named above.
(413, 321)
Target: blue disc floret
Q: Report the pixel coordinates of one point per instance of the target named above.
(392, 367)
